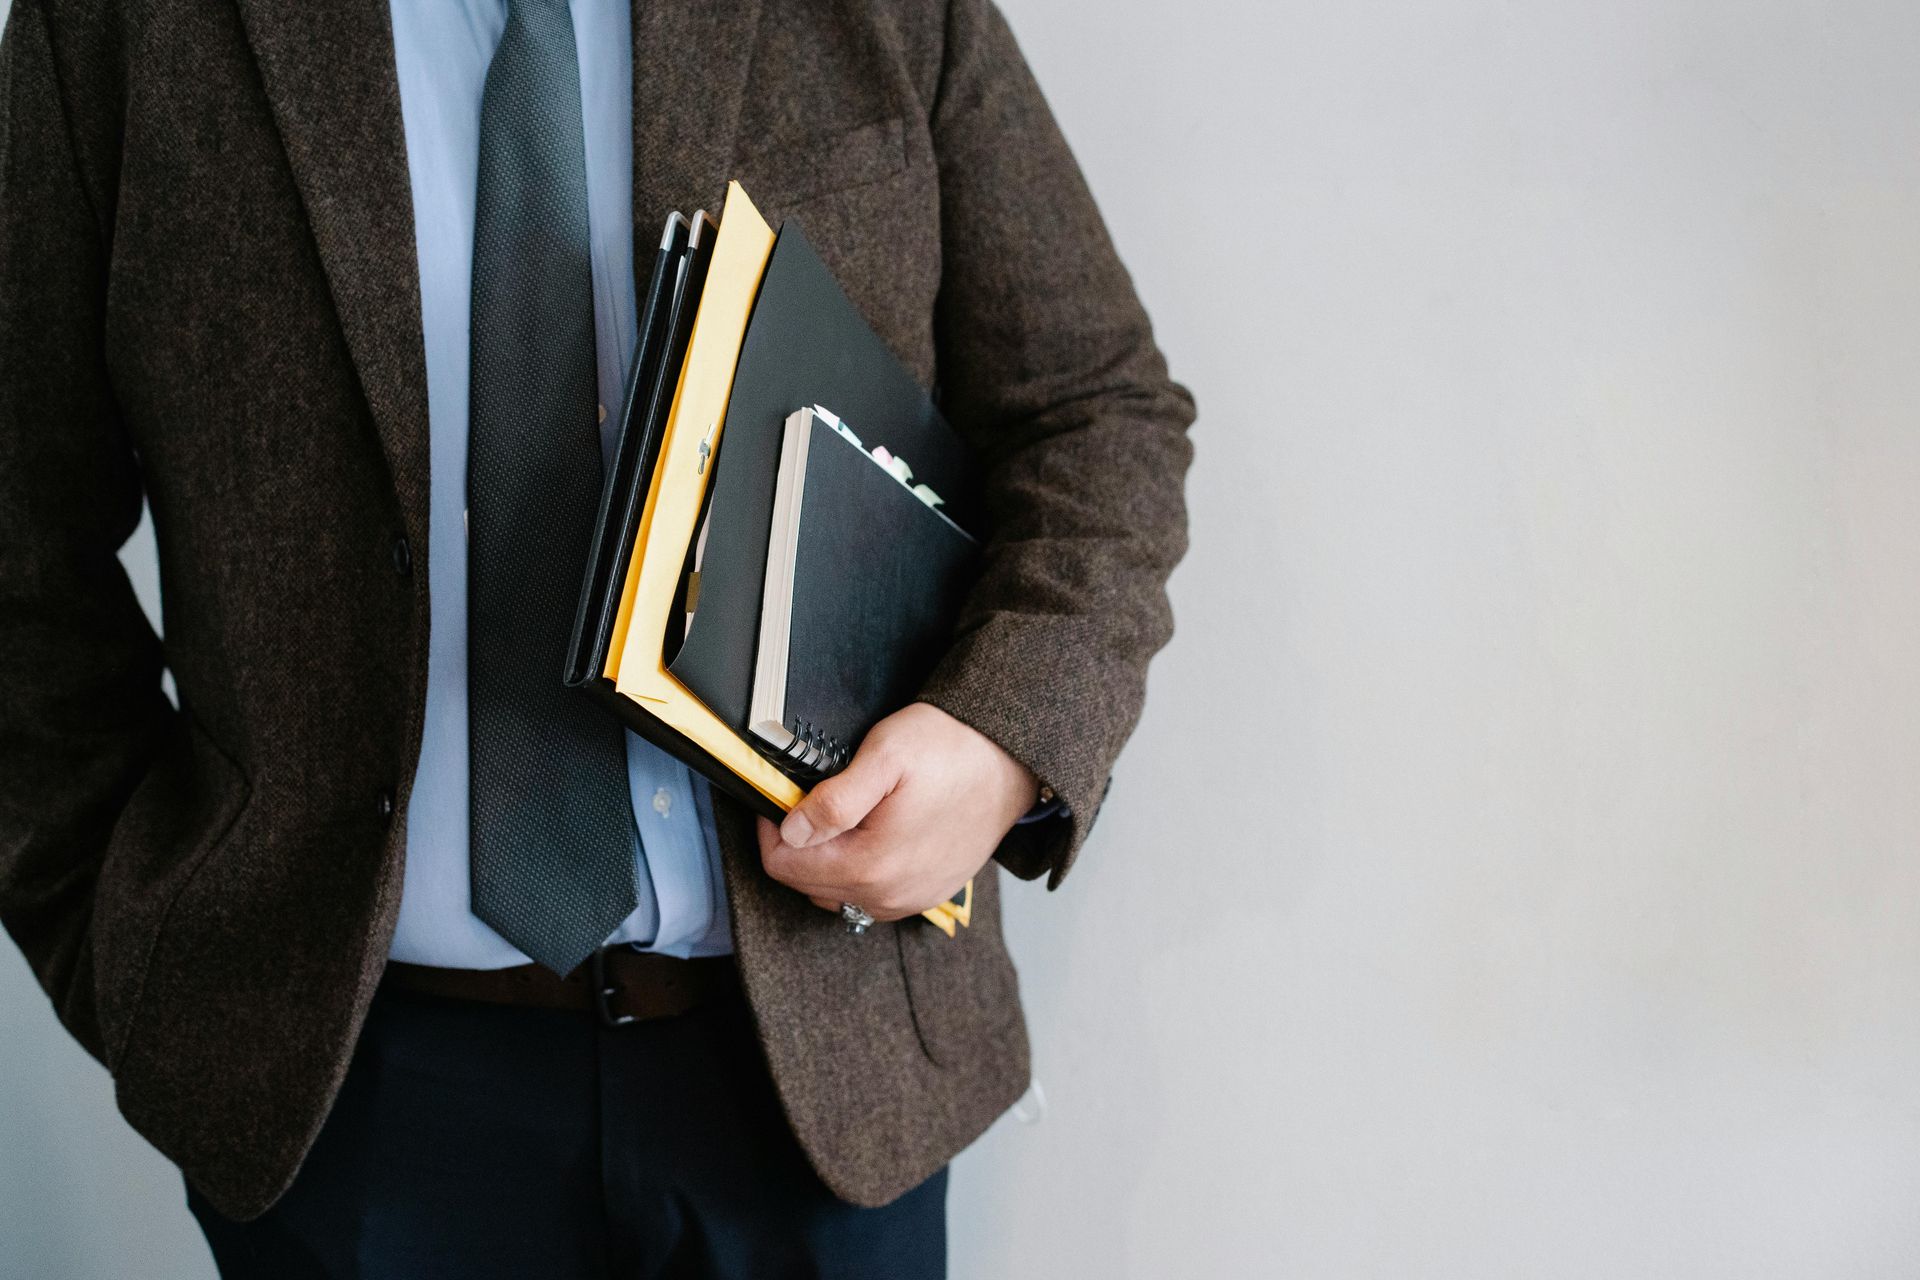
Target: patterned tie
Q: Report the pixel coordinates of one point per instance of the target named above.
(553, 833)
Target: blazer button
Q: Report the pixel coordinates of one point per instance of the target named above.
(386, 804)
(402, 557)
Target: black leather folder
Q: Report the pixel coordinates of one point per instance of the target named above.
(666, 323)
(806, 344)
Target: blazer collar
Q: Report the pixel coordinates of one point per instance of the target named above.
(328, 72)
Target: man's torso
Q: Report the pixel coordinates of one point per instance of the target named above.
(263, 339)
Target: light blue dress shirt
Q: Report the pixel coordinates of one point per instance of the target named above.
(442, 50)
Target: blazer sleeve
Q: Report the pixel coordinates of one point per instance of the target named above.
(81, 709)
(1047, 363)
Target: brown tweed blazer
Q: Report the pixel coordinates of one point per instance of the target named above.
(208, 298)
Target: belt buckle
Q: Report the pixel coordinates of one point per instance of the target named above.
(603, 992)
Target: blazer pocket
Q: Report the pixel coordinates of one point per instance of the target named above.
(184, 809)
(961, 989)
(783, 175)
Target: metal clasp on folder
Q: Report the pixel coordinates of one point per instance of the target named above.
(706, 449)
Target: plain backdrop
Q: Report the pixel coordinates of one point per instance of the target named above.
(1514, 873)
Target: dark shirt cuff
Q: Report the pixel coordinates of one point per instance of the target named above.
(1047, 806)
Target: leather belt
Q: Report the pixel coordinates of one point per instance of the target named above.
(617, 984)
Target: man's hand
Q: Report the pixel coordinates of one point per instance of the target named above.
(913, 817)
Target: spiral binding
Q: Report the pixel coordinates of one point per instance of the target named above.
(814, 753)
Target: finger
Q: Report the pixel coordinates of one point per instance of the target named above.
(859, 867)
(826, 904)
(843, 868)
(793, 868)
(844, 799)
(796, 869)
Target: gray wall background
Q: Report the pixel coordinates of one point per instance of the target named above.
(1514, 874)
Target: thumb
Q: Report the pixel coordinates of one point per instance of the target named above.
(841, 801)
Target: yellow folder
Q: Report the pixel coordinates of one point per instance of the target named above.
(688, 445)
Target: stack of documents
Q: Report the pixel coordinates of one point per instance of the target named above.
(759, 650)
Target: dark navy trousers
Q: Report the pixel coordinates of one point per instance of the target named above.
(475, 1140)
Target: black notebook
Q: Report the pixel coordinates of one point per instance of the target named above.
(864, 576)
(806, 344)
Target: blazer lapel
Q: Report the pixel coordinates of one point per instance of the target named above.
(691, 59)
(329, 75)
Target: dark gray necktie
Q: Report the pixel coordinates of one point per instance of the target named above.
(553, 835)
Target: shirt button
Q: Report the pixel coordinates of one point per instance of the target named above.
(662, 801)
(603, 413)
(386, 804)
(402, 557)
